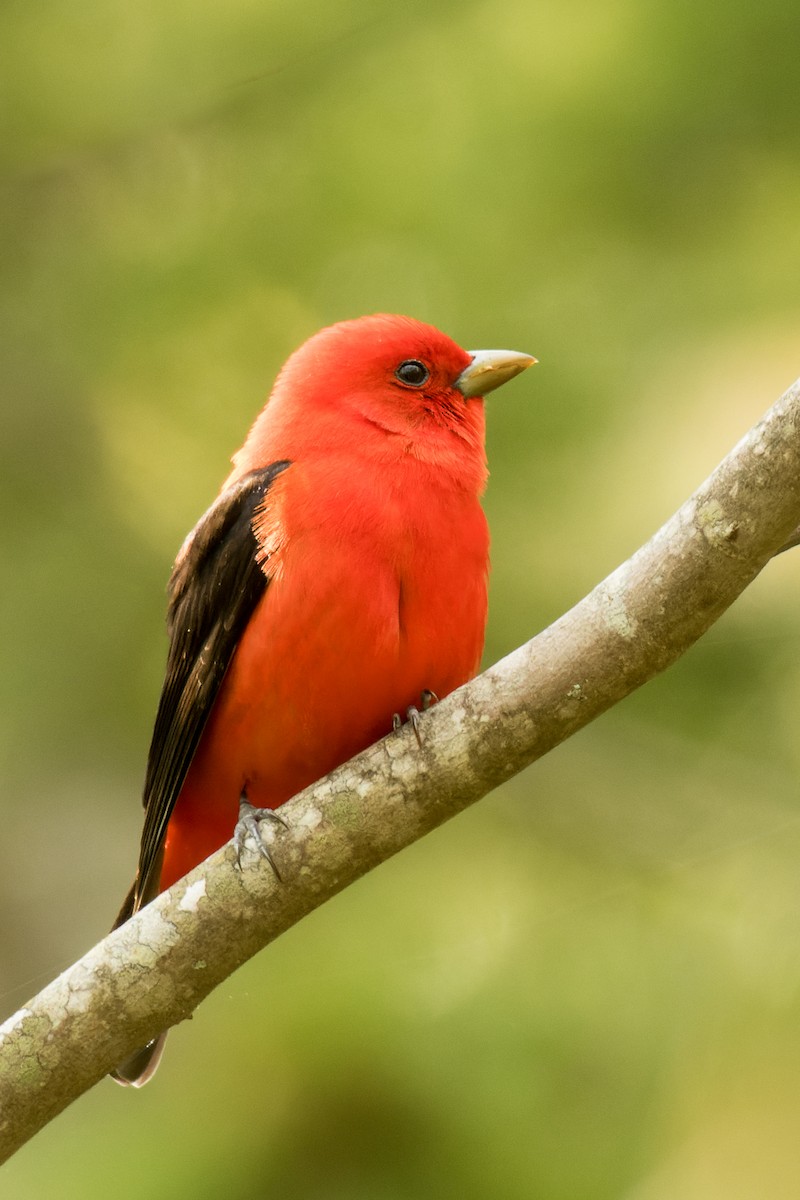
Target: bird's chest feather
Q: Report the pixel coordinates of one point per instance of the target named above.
(370, 601)
(395, 567)
(375, 593)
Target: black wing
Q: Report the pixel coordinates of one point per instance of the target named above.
(214, 587)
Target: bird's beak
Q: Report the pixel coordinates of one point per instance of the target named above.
(490, 368)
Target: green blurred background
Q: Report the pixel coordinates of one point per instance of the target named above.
(586, 987)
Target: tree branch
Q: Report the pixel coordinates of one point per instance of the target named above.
(156, 969)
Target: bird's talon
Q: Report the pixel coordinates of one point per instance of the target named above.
(413, 719)
(249, 821)
(427, 698)
(265, 852)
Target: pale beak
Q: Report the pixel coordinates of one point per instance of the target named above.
(489, 369)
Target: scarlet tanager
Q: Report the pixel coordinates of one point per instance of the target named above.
(339, 577)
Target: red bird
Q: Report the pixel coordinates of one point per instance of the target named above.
(340, 576)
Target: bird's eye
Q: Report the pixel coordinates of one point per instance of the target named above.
(412, 372)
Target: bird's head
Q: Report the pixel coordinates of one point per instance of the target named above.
(387, 385)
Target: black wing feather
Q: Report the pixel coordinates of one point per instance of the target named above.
(214, 587)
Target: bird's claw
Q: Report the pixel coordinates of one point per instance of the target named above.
(248, 823)
(413, 714)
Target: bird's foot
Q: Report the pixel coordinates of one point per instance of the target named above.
(249, 821)
(413, 714)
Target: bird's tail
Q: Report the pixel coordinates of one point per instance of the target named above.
(141, 1066)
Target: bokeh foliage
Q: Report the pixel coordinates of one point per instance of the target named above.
(587, 986)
